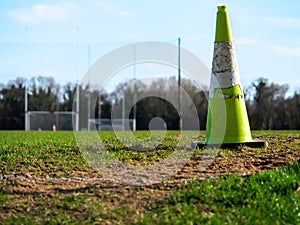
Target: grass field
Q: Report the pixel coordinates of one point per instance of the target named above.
(45, 179)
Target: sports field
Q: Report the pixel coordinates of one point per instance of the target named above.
(45, 179)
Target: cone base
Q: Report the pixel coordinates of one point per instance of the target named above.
(251, 144)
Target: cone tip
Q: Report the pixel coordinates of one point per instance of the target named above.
(223, 32)
(222, 8)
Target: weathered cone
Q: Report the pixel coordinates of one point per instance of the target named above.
(227, 120)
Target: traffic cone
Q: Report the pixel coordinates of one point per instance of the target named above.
(227, 120)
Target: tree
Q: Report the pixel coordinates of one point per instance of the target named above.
(156, 105)
(267, 109)
(267, 104)
(68, 94)
(293, 111)
(12, 105)
(43, 94)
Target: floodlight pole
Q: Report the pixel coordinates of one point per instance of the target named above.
(134, 93)
(179, 88)
(89, 93)
(26, 90)
(78, 86)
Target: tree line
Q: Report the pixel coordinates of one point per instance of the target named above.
(267, 104)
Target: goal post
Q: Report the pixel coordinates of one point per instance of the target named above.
(45, 120)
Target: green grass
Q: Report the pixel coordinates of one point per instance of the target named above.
(267, 197)
(137, 152)
(57, 153)
(39, 152)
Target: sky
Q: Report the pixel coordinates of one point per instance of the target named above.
(62, 38)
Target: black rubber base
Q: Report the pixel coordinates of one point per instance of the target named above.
(251, 144)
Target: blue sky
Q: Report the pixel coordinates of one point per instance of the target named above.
(51, 38)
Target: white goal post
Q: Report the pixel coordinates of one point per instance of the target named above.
(62, 120)
(45, 120)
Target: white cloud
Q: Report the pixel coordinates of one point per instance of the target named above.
(112, 9)
(287, 51)
(245, 41)
(40, 13)
(282, 21)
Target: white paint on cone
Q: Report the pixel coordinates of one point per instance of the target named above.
(225, 73)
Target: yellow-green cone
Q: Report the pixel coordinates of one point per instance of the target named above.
(227, 119)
